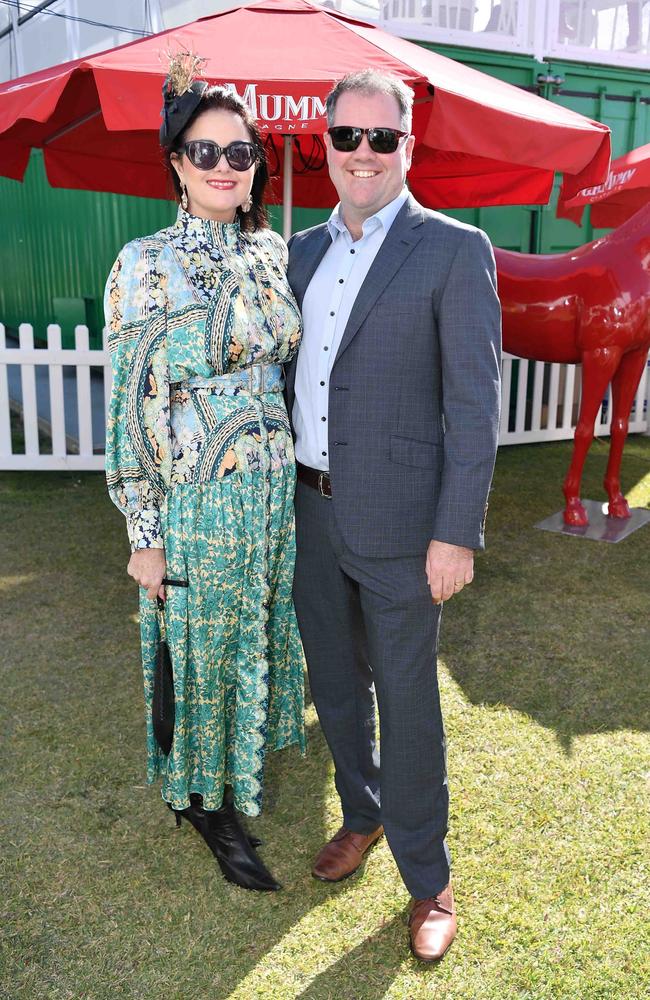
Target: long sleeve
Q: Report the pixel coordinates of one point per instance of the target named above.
(138, 439)
(469, 328)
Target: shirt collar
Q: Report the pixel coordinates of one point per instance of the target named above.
(208, 231)
(385, 217)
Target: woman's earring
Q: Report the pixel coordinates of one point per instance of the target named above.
(183, 197)
(247, 205)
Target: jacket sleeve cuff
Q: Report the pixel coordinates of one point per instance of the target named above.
(468, 531)
(144, 531)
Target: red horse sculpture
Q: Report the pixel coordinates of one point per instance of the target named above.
(590, 306)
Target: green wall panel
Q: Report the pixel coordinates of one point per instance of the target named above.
(58, 245)
(618, 97)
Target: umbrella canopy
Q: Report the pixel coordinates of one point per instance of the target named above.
(480, 141)
(626, 190)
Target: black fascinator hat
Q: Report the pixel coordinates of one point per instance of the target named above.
(181, 95)
(184, 98)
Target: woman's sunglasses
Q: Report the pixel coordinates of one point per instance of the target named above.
(346, 138)
(205, 154)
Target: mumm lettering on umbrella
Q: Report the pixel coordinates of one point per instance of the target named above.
(612, 181)
(280, 111)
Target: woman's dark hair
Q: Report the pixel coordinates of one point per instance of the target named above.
(220, 99)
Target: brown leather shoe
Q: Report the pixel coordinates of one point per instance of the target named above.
(432, 925)
(343, 854)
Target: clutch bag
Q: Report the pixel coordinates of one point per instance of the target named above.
(163, 709)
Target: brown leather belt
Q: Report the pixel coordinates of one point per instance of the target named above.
(315, 478)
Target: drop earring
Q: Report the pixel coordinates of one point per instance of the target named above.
(183, 197)
(247, 205)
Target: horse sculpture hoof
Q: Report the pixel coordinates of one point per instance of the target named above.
(575, 515)
(619, 507)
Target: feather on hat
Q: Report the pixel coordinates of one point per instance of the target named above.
(182, 93)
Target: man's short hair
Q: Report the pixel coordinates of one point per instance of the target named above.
(371, 82)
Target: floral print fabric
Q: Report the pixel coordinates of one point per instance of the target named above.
(209, 475)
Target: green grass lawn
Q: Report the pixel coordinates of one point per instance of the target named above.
(544, 677)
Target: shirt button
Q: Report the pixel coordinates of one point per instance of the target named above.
(340, 281)
(326, 348)
(324, 454)
(322, 383)
(351, 251)
(323, 419)
(331, 314)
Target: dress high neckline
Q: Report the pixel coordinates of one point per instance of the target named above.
(218, 234)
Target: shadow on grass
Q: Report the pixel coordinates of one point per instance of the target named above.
(553, 626)
(375, 963)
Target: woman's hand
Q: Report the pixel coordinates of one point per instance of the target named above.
(147, 567)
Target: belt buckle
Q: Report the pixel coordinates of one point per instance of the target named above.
(321, 478)
(251, 380)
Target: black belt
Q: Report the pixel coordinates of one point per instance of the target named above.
(315, 478)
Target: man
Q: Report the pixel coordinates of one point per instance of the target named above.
(395, 404)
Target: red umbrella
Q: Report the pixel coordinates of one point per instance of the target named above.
(481, 141)
(626, 190)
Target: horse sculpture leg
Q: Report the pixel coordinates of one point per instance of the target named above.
(624, 386)
(598, 369)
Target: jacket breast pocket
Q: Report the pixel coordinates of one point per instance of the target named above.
(421, 454)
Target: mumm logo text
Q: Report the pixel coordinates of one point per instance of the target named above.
(280, 112)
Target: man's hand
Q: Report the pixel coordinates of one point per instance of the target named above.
(449, 568)
(147, 567)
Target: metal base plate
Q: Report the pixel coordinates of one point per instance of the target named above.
(601, 527)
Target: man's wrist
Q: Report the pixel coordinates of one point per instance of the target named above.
(453, 545)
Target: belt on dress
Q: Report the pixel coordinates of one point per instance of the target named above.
(315, 478)
(256, 380)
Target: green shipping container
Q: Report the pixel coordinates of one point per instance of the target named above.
(618, 97)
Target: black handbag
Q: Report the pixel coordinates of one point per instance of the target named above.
(163, 709)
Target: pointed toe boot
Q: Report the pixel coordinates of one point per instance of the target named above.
(231, 845)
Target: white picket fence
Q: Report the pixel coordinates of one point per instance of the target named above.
(552, 413)
(54, 391)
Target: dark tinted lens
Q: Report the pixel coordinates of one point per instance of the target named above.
(345, 138)
(240, 155)
(203, 154)
(383, 140)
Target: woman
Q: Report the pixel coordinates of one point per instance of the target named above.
(200, 460)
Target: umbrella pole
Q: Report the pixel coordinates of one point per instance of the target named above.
(75, 124)
(287, 187)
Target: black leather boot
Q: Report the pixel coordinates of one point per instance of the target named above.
(253, 840)
(230, 844)
(229, 801)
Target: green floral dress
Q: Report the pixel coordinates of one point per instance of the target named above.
(204, 467)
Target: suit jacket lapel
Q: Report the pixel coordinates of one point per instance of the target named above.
(302, 266)
(400, 240)
(307, 259)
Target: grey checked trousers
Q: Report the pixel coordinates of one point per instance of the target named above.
(371, 624)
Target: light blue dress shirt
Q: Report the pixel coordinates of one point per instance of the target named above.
(326, 308)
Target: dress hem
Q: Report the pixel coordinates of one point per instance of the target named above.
(298, 741)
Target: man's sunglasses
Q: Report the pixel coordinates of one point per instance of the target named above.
(346, 138)
(205, 154)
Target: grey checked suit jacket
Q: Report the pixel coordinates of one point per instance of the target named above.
(414, 391)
